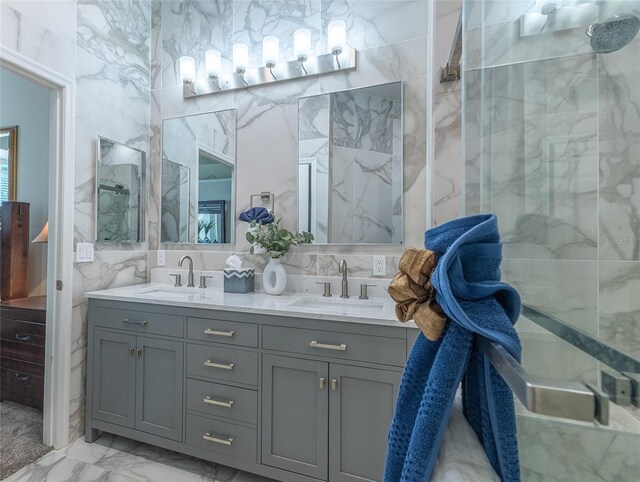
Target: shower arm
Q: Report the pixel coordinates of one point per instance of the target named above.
(452, 71)
(546, 396)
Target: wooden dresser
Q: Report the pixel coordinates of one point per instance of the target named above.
(22, 346)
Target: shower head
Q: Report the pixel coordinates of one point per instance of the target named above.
(613, 34)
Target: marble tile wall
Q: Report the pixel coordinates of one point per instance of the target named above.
(392, 40)
(104, 46)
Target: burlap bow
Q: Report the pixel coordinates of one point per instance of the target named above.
(415, 296)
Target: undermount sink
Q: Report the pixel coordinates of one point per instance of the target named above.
(338, 304)
(173, 293)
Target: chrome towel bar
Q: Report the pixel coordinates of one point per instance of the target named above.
(546, 396)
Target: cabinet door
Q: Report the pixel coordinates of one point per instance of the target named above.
(114, 373)
(159, 387)
(361, 404)
(295, 415)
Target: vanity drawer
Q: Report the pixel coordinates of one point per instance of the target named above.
(222, 437)
(222, 364)
(229, 332)
(139, 321)
(222, 400)
(347, 346)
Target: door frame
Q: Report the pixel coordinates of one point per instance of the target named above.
(57, 379)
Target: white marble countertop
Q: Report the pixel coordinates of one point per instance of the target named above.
(377, 311)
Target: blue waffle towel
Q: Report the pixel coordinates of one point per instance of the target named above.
(258, 214)
(467, 281)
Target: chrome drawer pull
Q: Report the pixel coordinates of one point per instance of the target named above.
(211, 364)
(315, 344)
(227, 441)
(23, 378)
(209, 331)
(220, 403)
(20, 337)
(133, 322)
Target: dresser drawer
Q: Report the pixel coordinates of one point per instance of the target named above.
(27, 352)
(222, 437)
(220, 331)
(346, 346)
(25, 380)
(24, 314)
(23, 332)
(222, 364)
(139, 321)
(222, 400)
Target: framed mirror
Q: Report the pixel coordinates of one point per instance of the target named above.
(199, 178)
(120, 185)
(8, 163)
(350, 165)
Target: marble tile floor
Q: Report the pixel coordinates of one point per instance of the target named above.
(117, 459)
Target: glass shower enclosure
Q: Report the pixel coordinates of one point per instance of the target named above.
(551, 142)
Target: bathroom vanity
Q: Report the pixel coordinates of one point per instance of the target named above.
(293, 388)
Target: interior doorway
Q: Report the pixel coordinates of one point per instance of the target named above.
(37, 107)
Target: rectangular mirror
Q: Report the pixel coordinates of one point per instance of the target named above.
(120, 183)
(8, 163)
(350, 165)
(198, 178)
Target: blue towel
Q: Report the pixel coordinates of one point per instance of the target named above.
(467, 282)
(258, 214)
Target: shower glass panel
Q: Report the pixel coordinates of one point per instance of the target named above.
(551, 134)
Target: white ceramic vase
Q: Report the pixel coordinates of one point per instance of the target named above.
(274, 277)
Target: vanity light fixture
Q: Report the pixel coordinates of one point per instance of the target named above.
(241, 60)
(213, 62)
(188, 72)
(270, 53)
(302, 46)
(337, 34)
(341, 57)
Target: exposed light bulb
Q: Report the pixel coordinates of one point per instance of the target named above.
(337, 36)
(270, 51)
(213, 62)
(302, 44)
(187, 69)
(240, 57)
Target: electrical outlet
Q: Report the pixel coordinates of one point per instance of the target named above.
(162, 258)
(379, 265)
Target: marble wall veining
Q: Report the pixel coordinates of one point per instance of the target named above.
(105, 47)
(124, 58)
(391, 37)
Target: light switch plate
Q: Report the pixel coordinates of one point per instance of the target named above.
(161, 260)
(84, 252)
(379, 265)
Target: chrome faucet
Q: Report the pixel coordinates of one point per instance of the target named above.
(190, 283)
(345, 284)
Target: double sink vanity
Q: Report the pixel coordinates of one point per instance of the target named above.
(295, 387)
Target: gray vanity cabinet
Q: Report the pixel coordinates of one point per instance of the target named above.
(137, 383)
(114, 378)
(361, 403)
(159, 387)
(290, 398)
(324, 419)
(295, 411)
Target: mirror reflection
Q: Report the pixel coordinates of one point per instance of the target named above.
(119, 186)
(198, 178)
(350, 165)
(8, 163)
